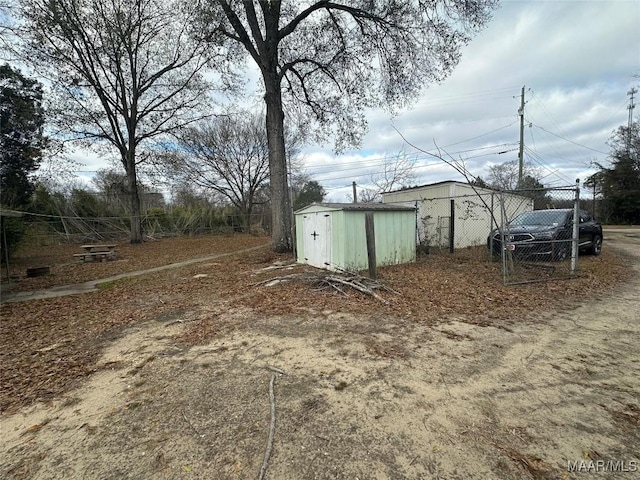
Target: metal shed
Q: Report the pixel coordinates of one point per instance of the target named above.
(333, 236)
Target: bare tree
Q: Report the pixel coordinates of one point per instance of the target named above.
(328, 61)
(397, 172)
(126, 73)
(6, 29)
(504, 176)
(111, 185)
(228, 155)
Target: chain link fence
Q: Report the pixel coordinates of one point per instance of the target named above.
(43, 230)
(464, 221)
(500, 226)
(541, 243)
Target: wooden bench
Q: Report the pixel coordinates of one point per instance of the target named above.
(97, 252)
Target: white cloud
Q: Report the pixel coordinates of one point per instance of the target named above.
(577, 60)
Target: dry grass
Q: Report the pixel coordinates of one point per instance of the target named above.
(48, 346)
(66, 270)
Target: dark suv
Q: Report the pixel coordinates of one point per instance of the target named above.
(547, 234)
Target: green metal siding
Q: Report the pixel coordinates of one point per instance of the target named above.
(395, 236)
(337, 228)
(354, 241)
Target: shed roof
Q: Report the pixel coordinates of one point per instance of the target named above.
(364, 207)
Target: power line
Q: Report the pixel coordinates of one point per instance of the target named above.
(464, 97)
(482, 135)
(608, 120)
(569, 140)
(425, 165)
(563, 135)
(371, 162)
(582, 163)
(544, 109)
(538, 159)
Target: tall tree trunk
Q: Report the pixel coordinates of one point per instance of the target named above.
(134, 198)
(248, 212)
(281, 232)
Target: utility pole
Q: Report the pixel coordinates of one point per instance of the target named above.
(631, 106)
(355, 193)
(521, 148)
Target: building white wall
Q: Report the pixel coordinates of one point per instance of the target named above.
(472, 212)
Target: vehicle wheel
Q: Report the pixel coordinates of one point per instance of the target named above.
(596, 245)
(561, 253)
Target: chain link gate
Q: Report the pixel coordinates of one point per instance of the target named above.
(540, 243)
(531, 232)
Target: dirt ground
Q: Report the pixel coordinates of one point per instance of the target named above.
(449, 381)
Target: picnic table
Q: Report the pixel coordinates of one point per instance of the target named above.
(97, 252)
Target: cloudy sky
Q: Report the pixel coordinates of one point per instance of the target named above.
(576, 60)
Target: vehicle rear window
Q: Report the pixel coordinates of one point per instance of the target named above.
(540, 217)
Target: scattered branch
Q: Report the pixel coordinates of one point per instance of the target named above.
(276, 266)
(358, 286)
(276, 370)
(286, 278)
(336, 281)
(191, 424)
(272, 429)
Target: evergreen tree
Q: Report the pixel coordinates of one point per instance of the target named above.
(531, 187)
(311, 192)
(620, 184)
(21, 137)
(479, 182)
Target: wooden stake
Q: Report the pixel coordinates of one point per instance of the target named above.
(371, 243)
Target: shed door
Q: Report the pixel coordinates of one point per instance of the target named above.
(317, 239)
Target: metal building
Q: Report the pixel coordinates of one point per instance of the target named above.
(455, 214)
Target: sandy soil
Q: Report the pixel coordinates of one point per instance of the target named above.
(362, 396)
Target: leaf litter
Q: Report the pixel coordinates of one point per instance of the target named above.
(48, 346)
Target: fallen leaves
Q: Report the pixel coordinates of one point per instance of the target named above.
(48, 346)
(129, 257)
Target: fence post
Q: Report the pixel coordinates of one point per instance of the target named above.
(491, 227)
(5, 246)
(418, 238)
(576, 230)
(452, 228)
(371, 243)
(508, 265)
